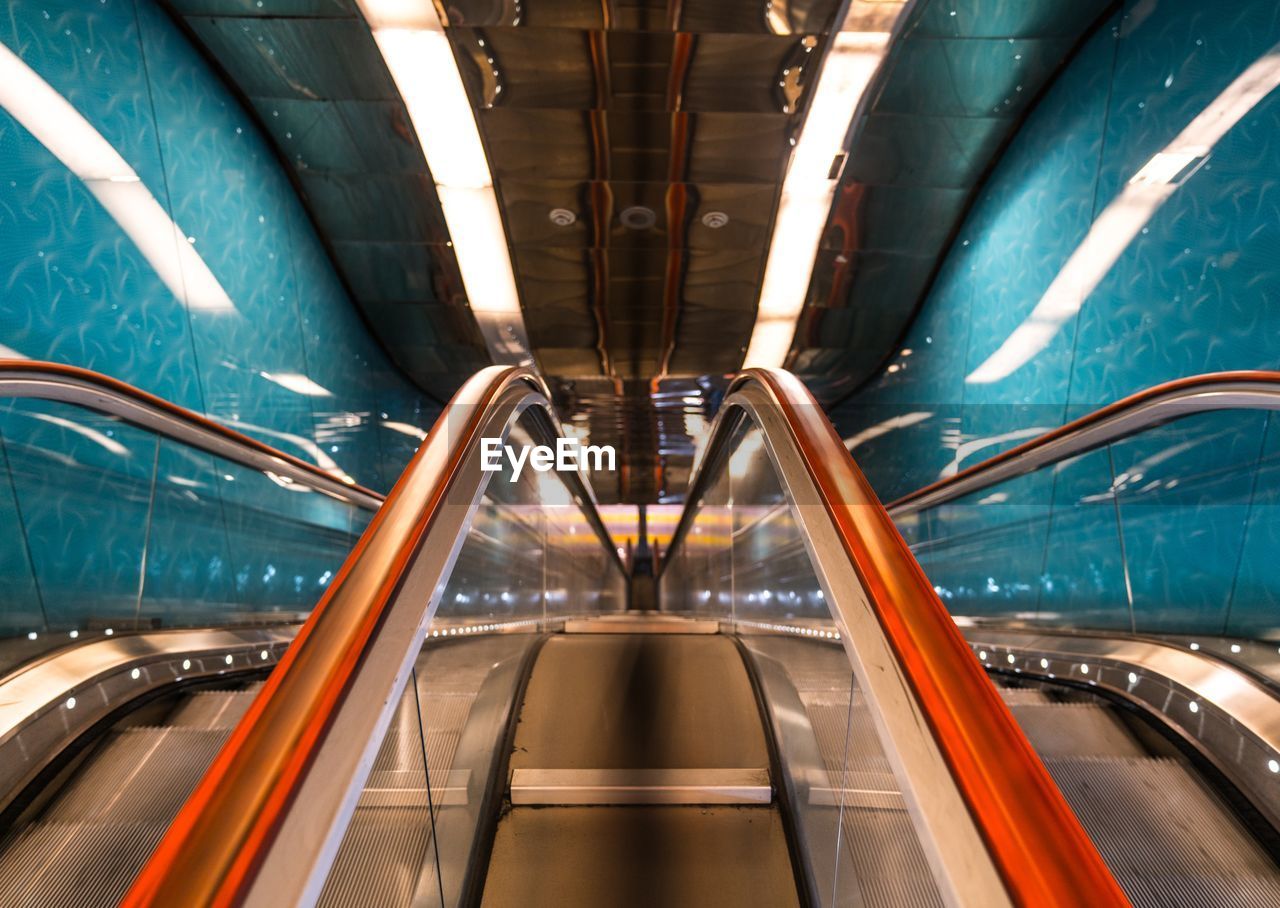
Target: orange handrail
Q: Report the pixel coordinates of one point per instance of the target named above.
(96, 381)
(1037, 844)
(212, 850)
(1204, 382)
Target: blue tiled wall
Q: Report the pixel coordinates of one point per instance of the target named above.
(103, 520)
(1173, 530)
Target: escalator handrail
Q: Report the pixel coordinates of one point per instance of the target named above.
(1143, 410)
(103, 394)
(1038, 846)
(212, 852)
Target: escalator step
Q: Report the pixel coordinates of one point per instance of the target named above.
(1024, 696)
(1159, 829)
(139, 775)
(383, 852)
(211, 709)
(1200, 891)
(1075, 730)
(847, 736)
(74, 865)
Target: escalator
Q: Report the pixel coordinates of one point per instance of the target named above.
(92, 827)
(471, 715)
(653, 789)
(1165, 831)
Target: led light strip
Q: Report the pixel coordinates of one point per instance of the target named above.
(808, 189)
(413, 43)
(797, 629)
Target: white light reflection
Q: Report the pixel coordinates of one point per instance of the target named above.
(404, 428)
(61, 129)
(1122, 220)
(313, 450)
(411, 37)
(883, 428)
(92, 435)
(297, 383)
(807, 191)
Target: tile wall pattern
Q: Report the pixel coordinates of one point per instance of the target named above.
(1174, 530)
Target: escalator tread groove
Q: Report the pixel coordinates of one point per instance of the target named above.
(211, 709)
(54, 864)
(140, 774)
(1162, 831)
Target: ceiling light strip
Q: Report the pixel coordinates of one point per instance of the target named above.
(413, 43)
(808, 189)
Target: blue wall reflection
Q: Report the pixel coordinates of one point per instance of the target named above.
(1130, 235)
(147, 232)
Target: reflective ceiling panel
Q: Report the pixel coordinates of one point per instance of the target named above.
(958, 78)
(310, 71)
(638, 150)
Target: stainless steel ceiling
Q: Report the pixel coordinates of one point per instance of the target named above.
(959, 77)
(664, 128)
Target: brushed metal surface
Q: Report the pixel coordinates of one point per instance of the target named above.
(565, 787)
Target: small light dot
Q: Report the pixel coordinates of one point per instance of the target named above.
(1133, 678)
(1009, 658)
(109, 632)
(32, 635)
(229, 660)
(75, 634)
(71, 702)
(1195, 646)
(263, 655)
(135, 674)
(1273, 766)
(1235, 647)
(1084, 669)
(1044, 663)
(1193, 706)
(982, 654)
(186, 664)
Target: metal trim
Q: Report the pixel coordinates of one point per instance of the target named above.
(266, 821)
(47, 703)
(992, 821)
(572, 787)
(106, 395)
(1154, 406)
(1228, 714)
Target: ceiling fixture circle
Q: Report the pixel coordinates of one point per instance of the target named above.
(562, 217)
(715, 219)
(638, 217)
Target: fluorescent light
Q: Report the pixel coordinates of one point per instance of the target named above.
(404, 428)
(1115, 228)
(411, 37)
(807, 192)
(421, 61)
(61, 129)
(297, 383)
(476, 226)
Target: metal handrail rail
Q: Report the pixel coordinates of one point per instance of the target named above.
(1146, 409)
(1038, 847)
(267, 817)
(112, 397)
